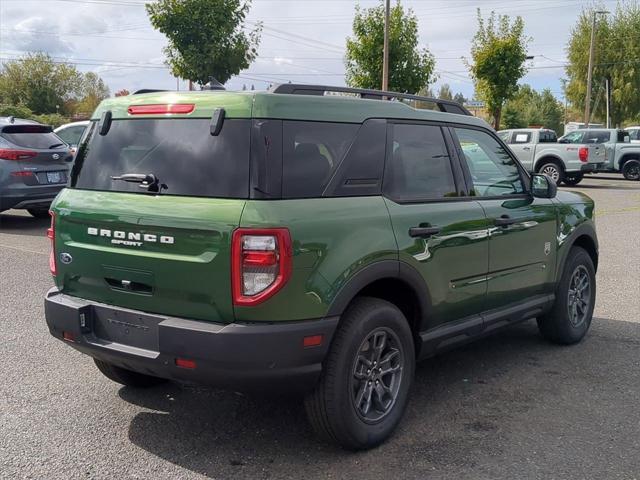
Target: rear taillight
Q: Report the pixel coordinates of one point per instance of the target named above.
(51, 234)
(22, 173)
(13, 154)
(583, 154)
(260, 263)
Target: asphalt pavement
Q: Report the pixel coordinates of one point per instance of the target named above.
(511, 406)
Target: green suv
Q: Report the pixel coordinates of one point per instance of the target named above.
(306, 241)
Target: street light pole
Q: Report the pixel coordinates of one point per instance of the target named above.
(385, 51)
(587, 105)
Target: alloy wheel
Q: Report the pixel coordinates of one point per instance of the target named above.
(579, 296)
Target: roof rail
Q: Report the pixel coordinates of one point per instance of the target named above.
(448, 106)
(147, 90)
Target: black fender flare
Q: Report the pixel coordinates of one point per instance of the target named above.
(541, 160)
(584, 229)
(394, 269)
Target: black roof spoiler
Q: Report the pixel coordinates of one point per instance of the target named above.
(448, 106)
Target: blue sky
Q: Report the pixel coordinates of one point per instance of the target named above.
(302, 41)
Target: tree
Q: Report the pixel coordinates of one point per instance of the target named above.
(93, 91)
(410, 68)
(459, 97)
(616, 57)
(445, 92)
(529, 108)
(40, 84)
(206, 37)
(498, 52)
(122, 93)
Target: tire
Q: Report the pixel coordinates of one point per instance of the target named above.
(38, 212)
(337, 408)
(572, 179)
(558, 326)
(631, 170)
(127, 377)
(553, 170)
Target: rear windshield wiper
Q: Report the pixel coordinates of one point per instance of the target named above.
(146, 180)
(56, 145)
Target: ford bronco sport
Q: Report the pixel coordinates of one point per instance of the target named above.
(306, 241)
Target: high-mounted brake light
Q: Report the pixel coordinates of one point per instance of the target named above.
(51, 234)
(13, 154)
(161, 109)
(260, 263)
(583, 154)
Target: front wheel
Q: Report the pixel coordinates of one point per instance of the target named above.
(631, 170)
(553, 171)
(572, 179)
(364, 387)
(570, 318)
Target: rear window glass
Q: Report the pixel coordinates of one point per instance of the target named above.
(181, 153)
(311, 151)
(40, 140)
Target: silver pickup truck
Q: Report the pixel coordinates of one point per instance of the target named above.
(622, 155)
(539, 151)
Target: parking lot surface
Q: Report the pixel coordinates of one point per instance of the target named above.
(509, 406)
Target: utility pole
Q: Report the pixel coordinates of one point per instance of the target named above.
(587, 105)
(385, 52)
(608, 98)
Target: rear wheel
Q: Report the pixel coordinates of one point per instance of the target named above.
(127, 377)
(572, 179)
(364, 387)
(570, 317)
(38, 212)
(553, 171)
(631, 170)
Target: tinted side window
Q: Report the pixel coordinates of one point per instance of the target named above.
(596, 137)
(547, 137)
(493, 171)
(311, 151)
(573, 137)
(419, 167)
(633, 134)
(71, 135)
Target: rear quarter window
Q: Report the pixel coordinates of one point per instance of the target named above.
(181, 153)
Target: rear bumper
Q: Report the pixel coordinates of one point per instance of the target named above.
(248, 357)
(590, 167)
(29, 197)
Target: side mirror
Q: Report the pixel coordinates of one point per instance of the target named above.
(543, 186)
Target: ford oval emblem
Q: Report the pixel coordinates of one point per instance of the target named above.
(56, 156)
(66, 258)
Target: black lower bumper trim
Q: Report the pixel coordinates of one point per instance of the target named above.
(248, 357)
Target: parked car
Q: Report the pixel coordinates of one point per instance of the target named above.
(71, 133)
(33, 165)
(634, 134)
(294, 240)
(621, 155)
(539, 151)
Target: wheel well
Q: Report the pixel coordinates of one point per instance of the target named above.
(626, 158)
(544, 160)
(587, 243)
(402, 296)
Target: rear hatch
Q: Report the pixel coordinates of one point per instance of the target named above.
(163, 246)
(42, 158)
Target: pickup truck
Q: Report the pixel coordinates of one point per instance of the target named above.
(622, 155)
(540, 151)
(634, 133)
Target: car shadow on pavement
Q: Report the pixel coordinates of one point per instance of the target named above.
(23, 225)
(466, 407)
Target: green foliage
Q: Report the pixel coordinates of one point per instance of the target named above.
(498, 52)
(617, 50)
(206, 37)
(17, 111)
(459, 97)
(445, 92)
(529, 108)
(37, 83)
(53, 119)
(410, 68)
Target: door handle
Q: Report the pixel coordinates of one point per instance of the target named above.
(423, 232)
(505, 220)
(526, 148)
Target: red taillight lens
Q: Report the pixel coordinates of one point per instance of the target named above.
(185, 363)
(583, 154)
(260, 263)
(51, 234)
(22, 173)
(13, 154)
(161, 109)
